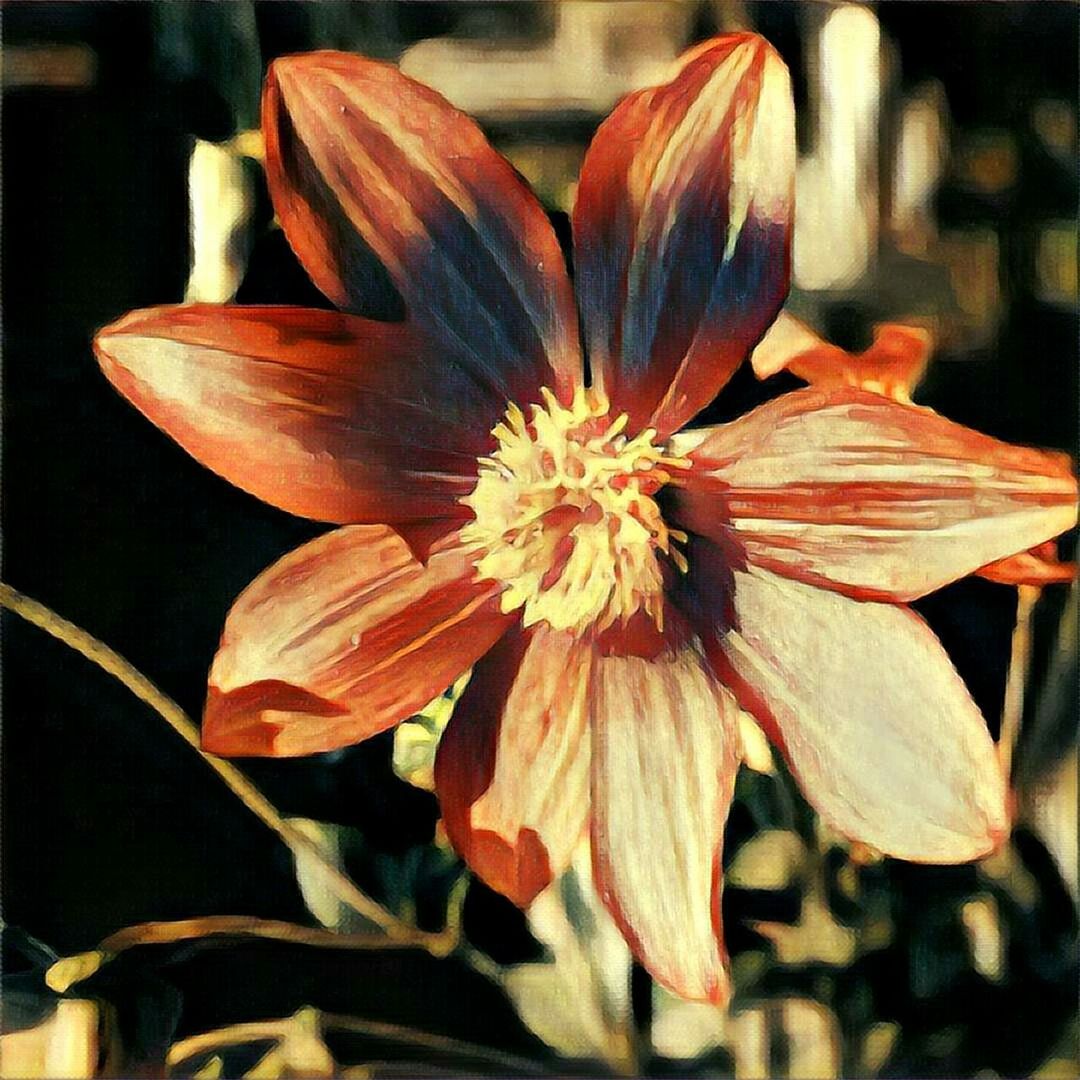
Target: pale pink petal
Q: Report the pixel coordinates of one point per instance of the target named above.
(665, 754)
(852, 491)
(682, 229)
(512, 770)
(875, 722)
(343, 638)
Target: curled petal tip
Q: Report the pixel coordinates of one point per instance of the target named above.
(519, 871)
(267, 719)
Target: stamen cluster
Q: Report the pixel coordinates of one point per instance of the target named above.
(566, 518)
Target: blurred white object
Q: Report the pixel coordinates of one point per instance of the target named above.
(65, 1044)
(836, 215)
(579, 1003)
(922, 149)
(220, 195)
(599, 52)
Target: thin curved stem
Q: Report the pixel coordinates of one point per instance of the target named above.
(164, 933)
(239, 1034)
(113, 664)
(69, 970)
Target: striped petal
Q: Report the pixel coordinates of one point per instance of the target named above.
(665, 754)
(512, 767)
(343, 638)
(849, 490)
(361, 160)
(682, 229)
(324, 415)
(874, 720)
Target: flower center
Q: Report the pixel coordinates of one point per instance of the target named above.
(566, 518)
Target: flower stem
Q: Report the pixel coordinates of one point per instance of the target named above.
(239, 1034)
(1019, 661)
(113, 664)
(69, 970)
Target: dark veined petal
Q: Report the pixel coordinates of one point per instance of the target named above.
(324, 415)
(362, 159)
(343, 638)
(682, 229)
(849, 490)
(512, 767)
(665, 751)
(878, 727)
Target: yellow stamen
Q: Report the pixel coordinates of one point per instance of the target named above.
(566, 519)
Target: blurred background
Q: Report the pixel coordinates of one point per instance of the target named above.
(937, 186)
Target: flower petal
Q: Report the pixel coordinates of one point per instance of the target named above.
(361, 158)
(1039, 566)
(682, 229)
(876, 724)
(850, 490)
(512, 767)
(892, 365)
(325, 415)
(665, 754)
(343, 638)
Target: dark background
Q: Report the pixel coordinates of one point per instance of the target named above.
(107, 818)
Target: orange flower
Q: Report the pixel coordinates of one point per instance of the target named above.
(620, 589)
(893, 365)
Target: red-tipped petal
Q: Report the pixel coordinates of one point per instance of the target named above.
(1039, 566)
(665, 754)
(849, 490)
(892, 365)
(325, 415)
(362, 159)
(682, 229)
(512, 767)
(343, 638)
(877, 725)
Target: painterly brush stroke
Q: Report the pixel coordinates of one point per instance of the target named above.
(804, 525)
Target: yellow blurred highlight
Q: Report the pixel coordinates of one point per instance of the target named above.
(59, 67)
(300, 1053)
(878, 1045)
(221, 200)
(972, 258)
(417, 739)
(836, 217)
(1055, 123)
(684, 1030)
(982, 926)
(65, 973)
(65, 1045)
(769, 860)
(988, 163)
(813, 1040)
(599, 50)
(757, 753)
(551, 170)
(922, 149)
(816, 938)
(1056, 274)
